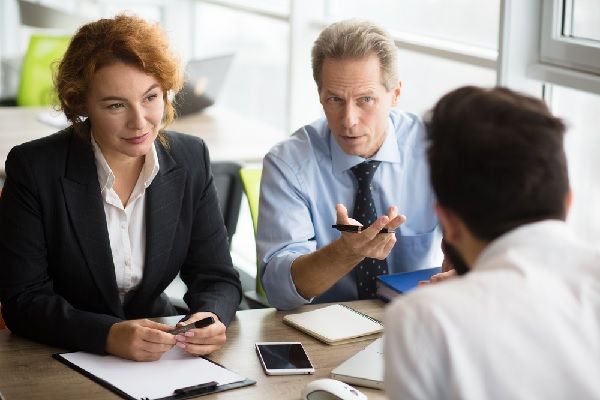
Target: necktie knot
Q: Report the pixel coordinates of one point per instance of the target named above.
(364, 172)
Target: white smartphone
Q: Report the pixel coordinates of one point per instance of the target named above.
(284, 358)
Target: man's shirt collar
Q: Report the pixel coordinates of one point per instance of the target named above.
(388, 152)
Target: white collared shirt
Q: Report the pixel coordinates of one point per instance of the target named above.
(126, 225)
(523, 324)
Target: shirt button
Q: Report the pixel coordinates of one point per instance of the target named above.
(123, 225)
(127, 262)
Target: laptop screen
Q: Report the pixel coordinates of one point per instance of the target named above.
(204, 79)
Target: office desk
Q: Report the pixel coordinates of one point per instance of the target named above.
(27, 370)
(229, 135)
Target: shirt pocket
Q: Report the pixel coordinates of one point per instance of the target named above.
(412, 252)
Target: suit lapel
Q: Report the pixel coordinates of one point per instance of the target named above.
(163, 207)
(86, 211)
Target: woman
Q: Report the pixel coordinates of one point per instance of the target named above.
(98, 219)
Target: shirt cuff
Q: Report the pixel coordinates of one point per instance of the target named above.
(278, 284)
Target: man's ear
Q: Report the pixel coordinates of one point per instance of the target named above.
(450, 223)
(568, 202)
(396, 91)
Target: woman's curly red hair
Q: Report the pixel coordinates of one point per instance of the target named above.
(125, 38)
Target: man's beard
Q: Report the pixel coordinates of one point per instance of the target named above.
(454, 257)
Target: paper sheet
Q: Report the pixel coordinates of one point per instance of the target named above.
(155, 379)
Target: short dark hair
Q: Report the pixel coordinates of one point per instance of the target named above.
(497, 159)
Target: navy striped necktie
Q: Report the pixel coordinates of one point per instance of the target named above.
(365, 213)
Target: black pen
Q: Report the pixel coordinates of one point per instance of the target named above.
(357, 228)
(197, 389)
(197, 325)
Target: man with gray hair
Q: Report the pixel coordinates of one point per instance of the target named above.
(364, 154)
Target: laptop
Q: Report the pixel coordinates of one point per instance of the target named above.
(204, 79)
(365, 368)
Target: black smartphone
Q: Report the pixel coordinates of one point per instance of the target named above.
(284, 358)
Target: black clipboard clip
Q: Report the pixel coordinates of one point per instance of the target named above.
(196, 389)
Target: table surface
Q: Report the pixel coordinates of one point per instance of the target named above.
(27, 370)
(229, 135)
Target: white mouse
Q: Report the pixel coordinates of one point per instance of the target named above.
(331, 389)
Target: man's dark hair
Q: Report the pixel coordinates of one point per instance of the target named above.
(497, 159)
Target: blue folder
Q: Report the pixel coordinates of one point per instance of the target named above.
(390, 286)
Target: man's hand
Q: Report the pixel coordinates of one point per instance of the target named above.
(439, 277)
(139, 340)
(316, 272)
(370, 243)
(442, 276)
(202, 341)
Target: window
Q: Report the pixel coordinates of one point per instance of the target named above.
(582, 19)
(571, 93)
(571, 34)
(582, 145)
(469, 22)
(256, 84)
(426, 78)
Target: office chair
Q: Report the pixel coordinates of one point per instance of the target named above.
(227, 181)
(36, 86)
(251, 183)
(226, 175)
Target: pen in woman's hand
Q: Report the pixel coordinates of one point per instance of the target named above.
(196, 325)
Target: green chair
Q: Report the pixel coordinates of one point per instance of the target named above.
(43, 54)
(251, 183)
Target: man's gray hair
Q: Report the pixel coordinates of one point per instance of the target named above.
(356, 39)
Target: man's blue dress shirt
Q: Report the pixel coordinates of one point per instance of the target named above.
(306, 175)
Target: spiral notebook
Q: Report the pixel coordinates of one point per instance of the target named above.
(335, 324)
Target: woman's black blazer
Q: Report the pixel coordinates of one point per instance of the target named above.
(57, 277)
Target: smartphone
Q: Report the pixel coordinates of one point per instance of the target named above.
(284, 358)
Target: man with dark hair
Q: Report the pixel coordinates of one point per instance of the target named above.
(525, 321)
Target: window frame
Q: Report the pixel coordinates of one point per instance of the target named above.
(569, 52)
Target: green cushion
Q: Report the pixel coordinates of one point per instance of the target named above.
(36, 87)
(251, 182)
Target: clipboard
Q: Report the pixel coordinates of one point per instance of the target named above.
(97, 376)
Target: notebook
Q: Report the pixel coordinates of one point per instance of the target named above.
(335, 324)
(392, 285)
(204, 79)
(365, 368)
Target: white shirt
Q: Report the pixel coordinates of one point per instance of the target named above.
(524, 324)
(126, 225)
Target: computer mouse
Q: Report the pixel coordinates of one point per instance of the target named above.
(331, 389)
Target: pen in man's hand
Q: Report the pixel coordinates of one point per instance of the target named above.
(357, 228)
(196, 325)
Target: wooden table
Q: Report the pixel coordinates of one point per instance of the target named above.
(230, 136)
(27, 370)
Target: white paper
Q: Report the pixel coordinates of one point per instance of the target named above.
(155, 379)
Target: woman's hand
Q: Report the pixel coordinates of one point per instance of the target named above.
(202, 341)
(139, 340)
